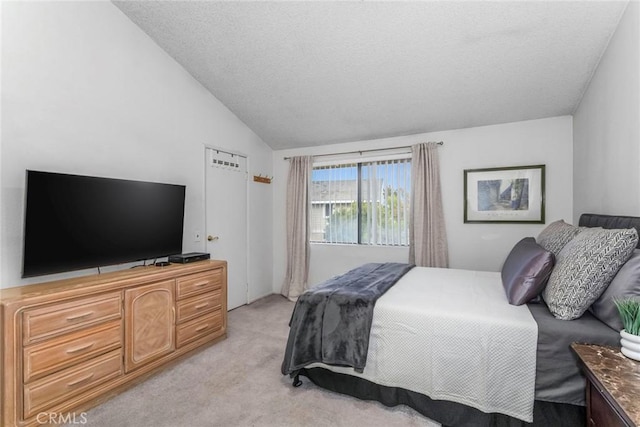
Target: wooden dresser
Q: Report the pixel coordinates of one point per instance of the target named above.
(613, 385)
(70, 344)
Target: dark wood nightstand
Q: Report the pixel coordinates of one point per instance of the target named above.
(613, 385)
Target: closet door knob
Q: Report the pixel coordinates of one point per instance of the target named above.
(212, 238)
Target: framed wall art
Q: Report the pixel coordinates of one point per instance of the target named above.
(510, 195)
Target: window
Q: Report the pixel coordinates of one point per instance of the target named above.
(361, 203)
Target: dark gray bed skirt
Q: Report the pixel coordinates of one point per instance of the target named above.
(446, 413)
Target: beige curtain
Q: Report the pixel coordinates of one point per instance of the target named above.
(427, 234)
(298, 248)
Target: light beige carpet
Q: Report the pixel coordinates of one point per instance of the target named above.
(238, 383)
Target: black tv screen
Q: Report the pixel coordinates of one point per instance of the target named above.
(74, 222)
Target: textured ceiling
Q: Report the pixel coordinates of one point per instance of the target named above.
(311, 73)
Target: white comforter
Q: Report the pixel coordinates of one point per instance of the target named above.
(451, 334)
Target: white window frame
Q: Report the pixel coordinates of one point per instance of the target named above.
(363, 161)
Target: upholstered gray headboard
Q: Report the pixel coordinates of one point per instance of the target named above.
(610, 221)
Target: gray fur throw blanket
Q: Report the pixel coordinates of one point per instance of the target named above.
(331, 322)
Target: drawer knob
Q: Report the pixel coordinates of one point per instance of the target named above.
(79, 316)
(201, 284)
(201, 328)
(199, 306)
(77, 349)
(81, 380)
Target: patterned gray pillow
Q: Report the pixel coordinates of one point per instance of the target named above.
(556, 235)
(585, 267)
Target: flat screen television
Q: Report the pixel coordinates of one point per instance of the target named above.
(74, 222)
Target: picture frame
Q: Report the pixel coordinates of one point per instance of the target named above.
(514, 194)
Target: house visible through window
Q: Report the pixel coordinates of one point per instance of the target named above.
(361, 203)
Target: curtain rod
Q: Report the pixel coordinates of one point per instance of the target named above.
(366, 151)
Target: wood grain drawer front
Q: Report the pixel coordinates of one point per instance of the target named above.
(48, 391)
(149, 323)
(47, 357)
(199, 283)
(193, 307)
(70, 316)
(200, 327)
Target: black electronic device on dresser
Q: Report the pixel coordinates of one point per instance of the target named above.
(189, 257)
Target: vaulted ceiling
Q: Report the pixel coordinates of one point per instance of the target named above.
(311, 73)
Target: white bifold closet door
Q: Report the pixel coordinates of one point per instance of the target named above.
(226, 219)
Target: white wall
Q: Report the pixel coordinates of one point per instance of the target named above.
(1, 106)
(606, 128)
(471, 246)
(85, 91)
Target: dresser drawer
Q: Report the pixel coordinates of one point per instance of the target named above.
(194, 284)
(198, 305)
(48, 391)
(70, 316)
(49, 356)
(600, 412)
(199, 327)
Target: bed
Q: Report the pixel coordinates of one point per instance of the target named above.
(396, 369)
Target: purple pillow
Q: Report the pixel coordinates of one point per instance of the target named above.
(526, 271)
